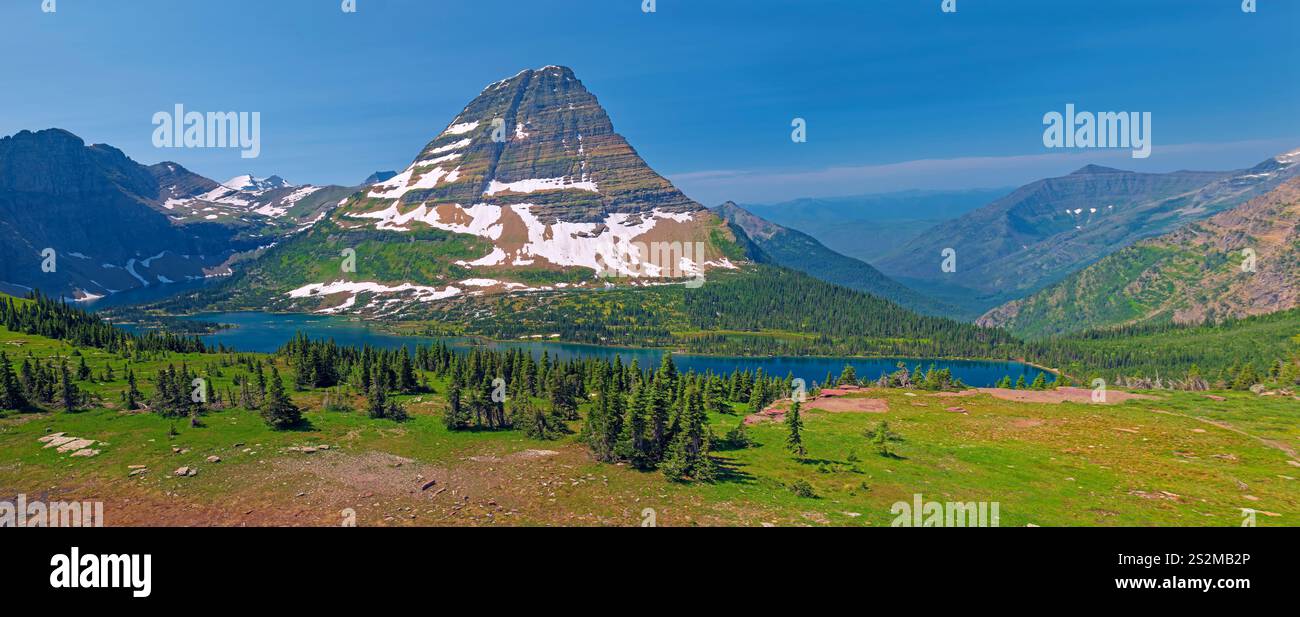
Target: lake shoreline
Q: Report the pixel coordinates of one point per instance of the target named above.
(267, 332)
(388, 327)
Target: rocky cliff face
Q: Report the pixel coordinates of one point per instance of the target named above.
(1197, 273)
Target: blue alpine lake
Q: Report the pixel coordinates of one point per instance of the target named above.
(267, 332)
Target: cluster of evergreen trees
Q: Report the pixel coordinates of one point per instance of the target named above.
(660, 419)
(1283, 373)
(50, 318)
(324, 364)
(39, 383)
(1039, 383)
(649, 419)
(378, 374)
(481, 382)
(180, 393)
(934, 380)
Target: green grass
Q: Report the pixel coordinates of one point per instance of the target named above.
(1046, 464)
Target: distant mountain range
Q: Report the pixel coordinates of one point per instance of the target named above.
(246, 200)
(868, 227)
(112, 224)
(1242, 262)
(1049, 229)
(796, 250)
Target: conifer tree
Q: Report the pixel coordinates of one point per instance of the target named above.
(880, 438)
(759, 397)
(633, 443)
(657, 400)
(261, 386)
(688, 455)
(535, 422)
(133, 396)
(378, 401)
(1040, 382)
(68, 395)
(27, 378)
(605, 421)
(278, 409)
(453, 418)
(738, 438)
(849, 375)
(794, 440)
(564, 403)
(246, 396)
(405, 372)
(11, 391)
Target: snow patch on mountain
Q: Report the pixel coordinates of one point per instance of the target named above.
(610, 246)
(484, 219)
(497, 257)
(418, 293)
(249, 184)
(441, 159)
(461, 129)
(540, 184)
(456, 145)
(401, 184)
(223, 195)
(274, 210)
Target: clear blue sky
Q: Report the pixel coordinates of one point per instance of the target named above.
(896, 94)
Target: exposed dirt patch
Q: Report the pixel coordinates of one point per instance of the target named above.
(1059, 395)
(451, 214)
(830, 404)
(372, 472)
(850, 405)
(530, 454)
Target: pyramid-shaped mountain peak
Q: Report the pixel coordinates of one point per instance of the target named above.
(534, 167)
(538, 138)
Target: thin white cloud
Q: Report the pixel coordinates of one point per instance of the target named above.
(767, 185)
